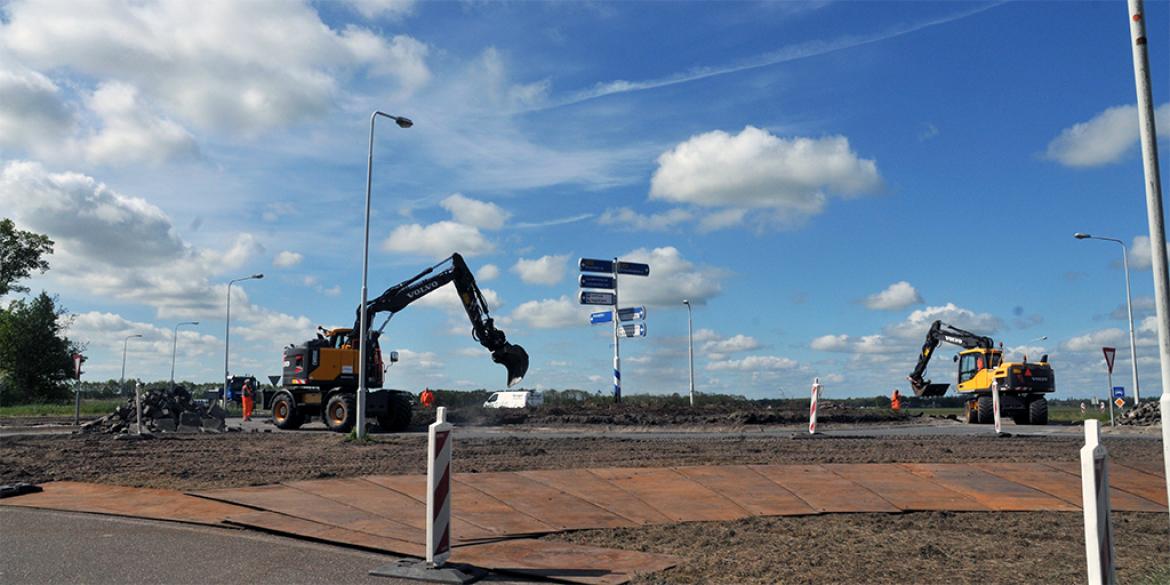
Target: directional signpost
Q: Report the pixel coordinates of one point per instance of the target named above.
(1110, 353)
(603, 275)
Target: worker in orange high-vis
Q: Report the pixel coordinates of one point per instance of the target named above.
(246, 399)
(896, 400)
(427, 398)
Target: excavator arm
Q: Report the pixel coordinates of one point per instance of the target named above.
(483, 329)
(938, 333)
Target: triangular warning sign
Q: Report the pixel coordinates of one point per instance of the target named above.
(1109, 353)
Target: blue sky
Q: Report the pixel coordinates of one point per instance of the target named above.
(822, 179)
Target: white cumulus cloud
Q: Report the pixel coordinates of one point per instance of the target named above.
(630, 219)
(790, 177)
(287, 259)
(1140, 253)
(131, 132)
(753, 363)
(544, 270)
(551, 313)
(480, 214)
(672, 279)
(895, 297)
(487, 272)
(1103, 139)
(438, 240)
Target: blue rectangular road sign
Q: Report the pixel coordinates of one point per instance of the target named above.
(596, 265)
(633, 330)
(600, 317)
(632, 313)
(596, 298)
(1119, 391)
(597, 281)
(633, 268)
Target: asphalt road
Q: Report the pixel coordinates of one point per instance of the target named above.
(44, 546)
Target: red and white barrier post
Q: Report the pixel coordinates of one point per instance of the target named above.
(1095, 503)
(812, 407)
(995, 406)
(439, 490)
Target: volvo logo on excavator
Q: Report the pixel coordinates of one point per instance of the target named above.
(424, 289)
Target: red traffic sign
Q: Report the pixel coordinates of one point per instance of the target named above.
(1110, 352)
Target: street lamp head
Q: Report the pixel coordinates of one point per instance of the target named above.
(686, 302)
(137, 335)
(192, 322)
(1081, 236)
(258, 275)
(403, 122)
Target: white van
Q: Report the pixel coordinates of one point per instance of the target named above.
(519, 399)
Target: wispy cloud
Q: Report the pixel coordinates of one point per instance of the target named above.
(783, 55)
(552, 222)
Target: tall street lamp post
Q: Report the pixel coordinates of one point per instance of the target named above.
(363, 346)
(227, 332)
(122, 380)
(1129, 306)
(175, 348)
(691, 348)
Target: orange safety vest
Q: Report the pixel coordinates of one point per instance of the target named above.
(427, 398)
(896, 401)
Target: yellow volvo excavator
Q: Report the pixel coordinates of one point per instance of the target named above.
(1022, 385)
(320, 376)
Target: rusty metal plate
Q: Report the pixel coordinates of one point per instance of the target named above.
(1123, 500)
(677, 497)
(1039, 476)
(309, 530)
(749, 489)
(591, 488)
(904, 489)
(551, 506)
(994, 492)
(296, 503)
(1157, 468)
(481, 509)
(415, 487)
(823, 490)
(368, 497)
(1147, 485)
(149, 503)
(560, 561)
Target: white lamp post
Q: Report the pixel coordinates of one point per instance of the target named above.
(227, 332)
(122, 380)
(363, 318)
(691, 348)
(175, 348)
(1129, 306)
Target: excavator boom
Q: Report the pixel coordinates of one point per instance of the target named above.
(938, 333)
(483, 329)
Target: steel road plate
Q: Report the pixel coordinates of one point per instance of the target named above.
(994, 492)
(671, 493)
(593, 489)
(547, 504)
(904, 489)
(749, 489)
(823, 490)
(1127, 485)
(150, 503)
(301, 528)
(560, 561)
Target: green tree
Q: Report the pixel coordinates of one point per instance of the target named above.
(36, 359)
(21, 253)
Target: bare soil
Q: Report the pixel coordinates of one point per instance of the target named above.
(983, 548)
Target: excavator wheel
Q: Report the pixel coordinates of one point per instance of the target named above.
(986, 410)
(399, 415)
(1038, 410)
(340, 413)
(970, 409)
(284, 412)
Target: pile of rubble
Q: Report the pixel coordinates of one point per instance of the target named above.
(1146, 414)
(163, 411)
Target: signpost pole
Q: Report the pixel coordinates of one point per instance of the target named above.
(617, 360)
(1110, 394)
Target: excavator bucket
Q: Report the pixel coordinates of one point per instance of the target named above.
(515, 359)
(929, 390)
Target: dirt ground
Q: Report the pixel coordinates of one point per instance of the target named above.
(983, 548)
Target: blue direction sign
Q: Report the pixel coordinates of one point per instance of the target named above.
(633, 330)
(596, 265)
(633, 268)
(1119, 391)
(600, 317)
(632, 313)
(597, 281)
(596, 298)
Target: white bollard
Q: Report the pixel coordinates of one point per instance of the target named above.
(138, 405)
(439, 490)
(1095, 503)
(995, 406)
(812, 407)
(1164, 404)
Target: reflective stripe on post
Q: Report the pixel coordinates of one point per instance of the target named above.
(439, 490)
(812, 407)
(995, 405)
(1095, 503)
